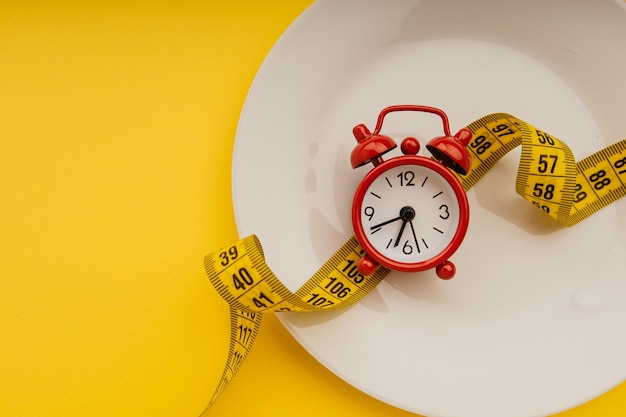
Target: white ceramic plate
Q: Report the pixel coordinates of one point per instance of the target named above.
(534, 321)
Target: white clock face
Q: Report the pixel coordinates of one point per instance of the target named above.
(409, 213)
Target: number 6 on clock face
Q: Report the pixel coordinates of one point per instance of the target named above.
(410, 213)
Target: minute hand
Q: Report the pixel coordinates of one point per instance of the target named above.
(378, 226)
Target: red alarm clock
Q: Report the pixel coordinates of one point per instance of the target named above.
(410, 213)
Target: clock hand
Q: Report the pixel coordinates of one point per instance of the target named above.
(417, 246)
(407, 214)
(404, 222)
(385, 223)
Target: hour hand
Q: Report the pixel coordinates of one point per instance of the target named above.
(397, 242)
(407, 214)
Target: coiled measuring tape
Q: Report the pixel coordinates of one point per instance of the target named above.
(548, 177)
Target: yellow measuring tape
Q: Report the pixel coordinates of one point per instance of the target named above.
(548, 177)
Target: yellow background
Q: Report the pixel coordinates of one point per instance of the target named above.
(117, 121)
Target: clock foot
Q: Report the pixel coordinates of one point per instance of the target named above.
(446, 270)
(366, 266)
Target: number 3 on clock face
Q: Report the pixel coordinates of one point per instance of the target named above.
(410, 213)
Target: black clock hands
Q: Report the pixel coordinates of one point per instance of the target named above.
(378, 226)
(407, 214)
(397, 242)
(417, 245)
